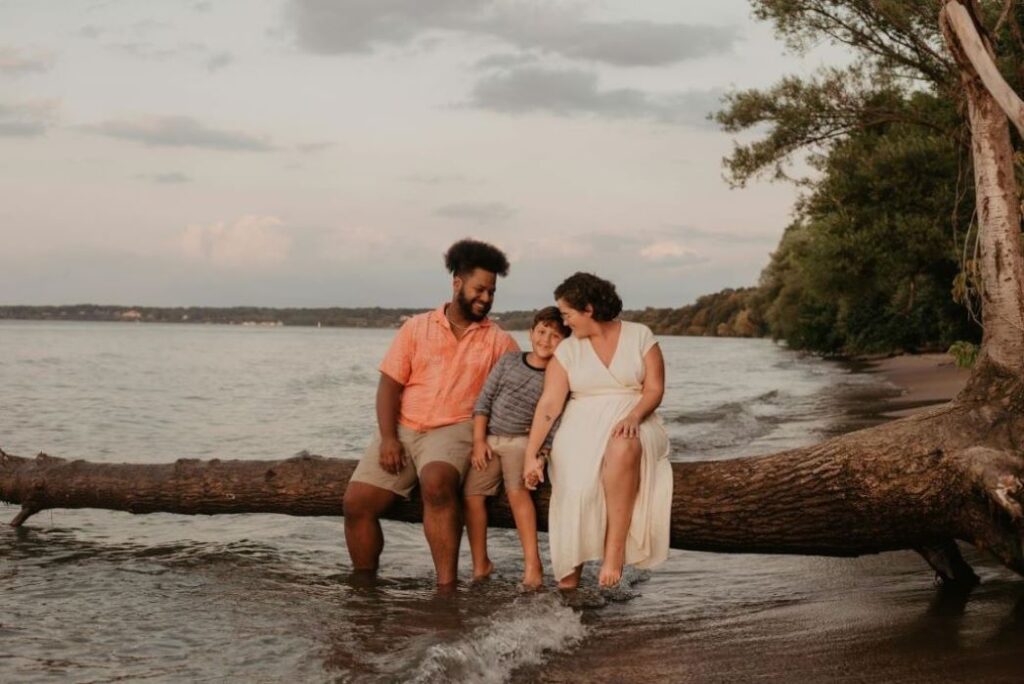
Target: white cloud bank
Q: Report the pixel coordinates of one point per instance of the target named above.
(250, 242)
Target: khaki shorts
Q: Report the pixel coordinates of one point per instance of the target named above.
(452, 444)
(509, 454)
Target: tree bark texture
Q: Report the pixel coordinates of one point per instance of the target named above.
(918, 483)
(998, 198)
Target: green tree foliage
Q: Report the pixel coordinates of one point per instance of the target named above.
(871, 260)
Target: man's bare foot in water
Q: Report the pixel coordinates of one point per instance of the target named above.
(533, 577)
(610, 575)
(484, 571)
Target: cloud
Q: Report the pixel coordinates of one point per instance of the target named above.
(622, 43)
(219, 61)
(26, 119)
(179, 131)
(436, 178)
(250, 242)
(568, 92)
(15, 62)
(169, 177)
(669, 253)
(505, 60)
(313, 147)
(139, 50)
(477, 212)
(723, 236)
(91, 31)
(352, 26)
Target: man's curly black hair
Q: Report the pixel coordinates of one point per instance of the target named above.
(465, 256)
(581, 289)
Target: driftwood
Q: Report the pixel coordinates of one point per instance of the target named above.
(924, 482)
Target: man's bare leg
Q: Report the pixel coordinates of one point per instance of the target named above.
(476, 530)
(364, 504)
(442, 517)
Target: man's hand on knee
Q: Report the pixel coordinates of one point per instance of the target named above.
(392, 456)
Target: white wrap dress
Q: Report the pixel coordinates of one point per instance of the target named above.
(599, 398)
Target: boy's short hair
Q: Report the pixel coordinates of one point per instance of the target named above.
(551, 314)
(463, 257)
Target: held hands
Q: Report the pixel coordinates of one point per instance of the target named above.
(533, 470)
(481, 455)
(392, 456)
(628, 427)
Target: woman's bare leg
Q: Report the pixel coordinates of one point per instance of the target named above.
(620, 476)
(526, 524)
(476, 530)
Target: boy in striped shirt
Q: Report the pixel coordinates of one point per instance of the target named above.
(501, 424)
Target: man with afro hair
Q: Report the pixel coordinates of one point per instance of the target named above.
(429, 381)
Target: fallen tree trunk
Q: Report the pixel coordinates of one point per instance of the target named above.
(918, 483)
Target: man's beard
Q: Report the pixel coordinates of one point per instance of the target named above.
(466, 309)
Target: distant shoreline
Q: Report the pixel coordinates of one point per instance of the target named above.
(696, 320)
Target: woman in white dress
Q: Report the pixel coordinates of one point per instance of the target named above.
(611, 482)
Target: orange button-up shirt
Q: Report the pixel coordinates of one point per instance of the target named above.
(442, 376)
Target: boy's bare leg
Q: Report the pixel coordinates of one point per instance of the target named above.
(476, 530)
(620, 476)
(442, 517)
(526, 524)
(363, 505)
(572, 580)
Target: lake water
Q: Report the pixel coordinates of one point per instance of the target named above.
(98, 596)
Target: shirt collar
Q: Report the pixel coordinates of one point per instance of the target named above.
(438, 316)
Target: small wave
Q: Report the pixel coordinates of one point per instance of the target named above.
(732, 408)
(516, 637)
(733, 423)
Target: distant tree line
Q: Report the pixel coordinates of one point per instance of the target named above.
(724, 314)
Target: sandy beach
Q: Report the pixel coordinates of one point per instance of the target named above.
(924, 379)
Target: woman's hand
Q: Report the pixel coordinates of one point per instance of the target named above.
(533, 471)
(481, 455)
(628, 427)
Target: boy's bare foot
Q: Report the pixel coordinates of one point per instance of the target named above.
(484, 571)
(533, 578)
(610, 575)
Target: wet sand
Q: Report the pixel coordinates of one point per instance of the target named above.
(923, 379)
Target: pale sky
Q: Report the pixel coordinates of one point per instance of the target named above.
(326, 152)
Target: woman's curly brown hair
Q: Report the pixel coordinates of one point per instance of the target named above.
(582, 289)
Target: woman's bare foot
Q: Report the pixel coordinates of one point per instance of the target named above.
(533, 577)
(610, 575)
(484, 571)
(572, 580)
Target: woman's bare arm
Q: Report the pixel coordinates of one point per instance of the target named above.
(651, 394)
(549, 407)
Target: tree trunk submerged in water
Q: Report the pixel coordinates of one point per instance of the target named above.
(953, 473)
(918, 483)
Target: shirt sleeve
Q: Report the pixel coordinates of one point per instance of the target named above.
(397, 363)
